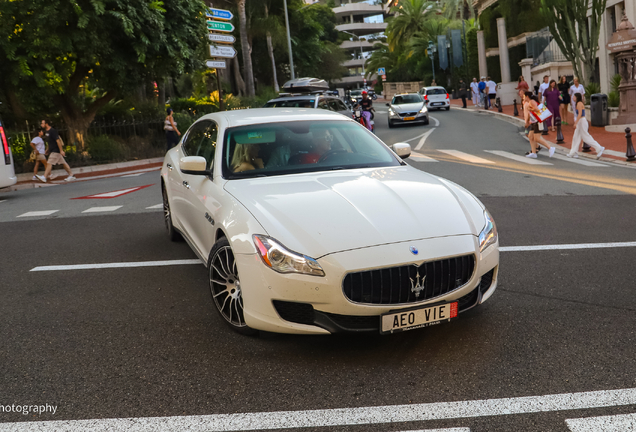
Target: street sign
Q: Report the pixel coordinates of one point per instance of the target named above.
(220, 26)
(221, 14)
(381, 71)
(215, 64)
(383, 77)
(219, 38)
(222, 51)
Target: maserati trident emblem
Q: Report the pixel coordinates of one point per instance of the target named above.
(417, 284)
(414, 250)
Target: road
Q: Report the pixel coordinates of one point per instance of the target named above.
(140, 342)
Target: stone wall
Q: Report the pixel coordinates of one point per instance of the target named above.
(389, 89)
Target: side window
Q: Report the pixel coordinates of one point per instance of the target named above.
(333, 105)
(341, 105)
(201, 141)
(322, 104)
(195, 136)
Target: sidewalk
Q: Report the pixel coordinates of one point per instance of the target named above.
(92, 172)
(614, 143)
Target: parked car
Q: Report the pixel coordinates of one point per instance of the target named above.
(436, 98)
(7, 171)
(309, 224)
(309, 93)
(407, 108)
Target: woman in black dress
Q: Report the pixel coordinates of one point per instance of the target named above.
(564, 99)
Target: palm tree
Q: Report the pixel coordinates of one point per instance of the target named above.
(410, 18)
(381, 57)
(454, 8)
(268, 25)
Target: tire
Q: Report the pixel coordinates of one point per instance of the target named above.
(391, 125)
(448, 108)
(426, 122)
(173, 234)
(225, 287)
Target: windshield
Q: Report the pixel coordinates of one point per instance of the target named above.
(302, 103)
(436, 91)
(356, 93)
(301, 146)
(406, 99)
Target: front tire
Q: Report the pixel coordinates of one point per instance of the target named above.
(391, 125)
(173, 234)
(225, 287)
(426, 122)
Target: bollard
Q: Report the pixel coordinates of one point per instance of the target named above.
(557, 123)
(630, 153)
(499, 107)
(586, 147)
(516, 112)
(545, 128)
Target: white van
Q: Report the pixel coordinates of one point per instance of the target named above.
(7, 173)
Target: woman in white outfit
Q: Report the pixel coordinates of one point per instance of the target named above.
(581, 130)
(574, 89)
(474, 89)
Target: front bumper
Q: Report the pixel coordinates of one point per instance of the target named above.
(400, 117)
(302, 304)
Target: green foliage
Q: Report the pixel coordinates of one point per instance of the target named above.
(184, 121)
(521, 16)
(410, 18)
(20, 148)
(473, 54)
(103, 148)
(615, 82)
(614, 99)
(592, 88)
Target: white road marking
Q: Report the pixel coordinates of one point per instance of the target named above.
(580, 161)
(132, 175)
(417, 137)
(158, 206)
(518, 158)
(467, 157)
(102, 209)
(566, 247)
(421, 158)
(423, 138)
(341, 416)
(39, 213)
(381, 112)
(114, 193)
(1, 201)
(616, 423)
(614, 153)
(117, 265)
(435, 120)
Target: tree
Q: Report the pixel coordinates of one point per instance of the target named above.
(246, 48)
(453, 9)
(575, 32)
(410, 18)
(58, 48)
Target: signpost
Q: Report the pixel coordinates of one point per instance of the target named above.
(220, 26)
(222, 51)
(381, 71)
(216, 64)
(220, 14)
(219, 38)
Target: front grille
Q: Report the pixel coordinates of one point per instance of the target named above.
(409, 114)
(409, 283)
(300, 313)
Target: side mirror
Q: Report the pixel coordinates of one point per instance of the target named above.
(193, 165)
(403, 150)
(388, 104)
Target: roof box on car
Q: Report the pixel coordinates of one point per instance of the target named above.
(306, 85)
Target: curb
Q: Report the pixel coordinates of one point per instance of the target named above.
(95, 168)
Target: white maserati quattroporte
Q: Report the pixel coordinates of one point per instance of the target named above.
(309, 224)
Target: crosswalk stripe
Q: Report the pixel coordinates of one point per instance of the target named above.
(614, 153)
(467, 157)
(616, 423)
(580, 161)
(102, 209)
(158, 206)
(133, 175)
(517, 158)
(38, 213)
(422, 158)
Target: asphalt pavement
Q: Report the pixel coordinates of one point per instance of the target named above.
(146, 342)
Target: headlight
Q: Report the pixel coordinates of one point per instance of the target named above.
(423, 110)
(488, 235)
(280, 259)
(391, 112)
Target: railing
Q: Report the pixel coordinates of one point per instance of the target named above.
(542, 48)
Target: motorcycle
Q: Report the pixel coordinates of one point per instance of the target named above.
(357, 116)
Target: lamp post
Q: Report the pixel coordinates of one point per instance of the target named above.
(431, 50)
(291, 56)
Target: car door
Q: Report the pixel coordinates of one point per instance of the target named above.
(201, 192)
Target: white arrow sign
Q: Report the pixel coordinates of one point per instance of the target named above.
(223, 51)
(221, 38)
(215, 64)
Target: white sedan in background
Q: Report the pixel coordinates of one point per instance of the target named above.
(309, 224)
(7, 172)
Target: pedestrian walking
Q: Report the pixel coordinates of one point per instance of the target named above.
(56, 153)
(581, 130)
(574, 89)
(552, 97)
(522, 87)
(483, 93)
(172, 133)
(543, 87)
(39, 150)
(433, 83)
(463, 89)
(531, 107)
(492, 91)
(474, 90)
(564, 102)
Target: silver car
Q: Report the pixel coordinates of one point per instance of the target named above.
(407, 108)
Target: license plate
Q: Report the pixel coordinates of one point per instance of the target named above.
(417, 318)
(409, 118)
(437, 103)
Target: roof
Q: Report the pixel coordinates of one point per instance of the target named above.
(274, 115)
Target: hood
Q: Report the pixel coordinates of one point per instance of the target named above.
(408, 107)
(317, 214)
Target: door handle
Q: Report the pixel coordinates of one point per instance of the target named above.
(169, 167)
(185, 183)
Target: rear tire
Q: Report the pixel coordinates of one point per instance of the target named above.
(173, 234)
(448, 108)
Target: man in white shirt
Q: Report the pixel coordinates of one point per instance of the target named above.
(543, 87)
(474, 88)
(37, 144)
(492, 91)
(574, 89)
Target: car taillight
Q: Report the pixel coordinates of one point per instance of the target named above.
(447, 96)
(426, 98)
(5, 146)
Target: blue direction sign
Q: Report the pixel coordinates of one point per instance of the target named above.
(221, 14)
(381, 71)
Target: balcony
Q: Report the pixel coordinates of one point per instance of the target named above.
(355, 45)
(362, 28)
(354, 63)
(364, 9)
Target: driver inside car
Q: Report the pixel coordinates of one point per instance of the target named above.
(321, 144)
(246, 158)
